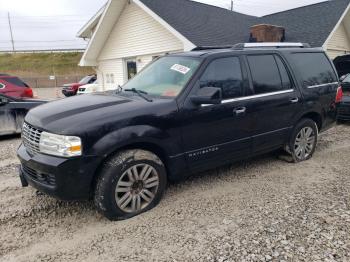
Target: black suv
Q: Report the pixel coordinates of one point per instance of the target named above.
(182, 114)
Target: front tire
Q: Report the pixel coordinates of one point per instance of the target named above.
(303, 141)
(130, 183)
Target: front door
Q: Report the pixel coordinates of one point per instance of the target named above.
(131, 68)
(216, 134)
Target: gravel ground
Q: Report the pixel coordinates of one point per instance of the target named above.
(260, 210)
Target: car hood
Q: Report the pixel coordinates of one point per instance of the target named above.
(77, 114)
(71, 84)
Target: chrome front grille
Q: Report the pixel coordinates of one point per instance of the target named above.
(31, 138)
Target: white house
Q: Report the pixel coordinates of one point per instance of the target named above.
(125, 35)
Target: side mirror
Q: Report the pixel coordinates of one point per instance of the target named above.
(207, 95)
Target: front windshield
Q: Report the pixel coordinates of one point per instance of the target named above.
(85, 80)
(166, 77)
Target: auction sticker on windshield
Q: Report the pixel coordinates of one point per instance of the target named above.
(180, 68)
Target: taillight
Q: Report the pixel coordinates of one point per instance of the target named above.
(339, 95)
(28, 92)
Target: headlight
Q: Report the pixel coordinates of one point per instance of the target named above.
(58, 145)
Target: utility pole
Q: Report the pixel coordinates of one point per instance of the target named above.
(231, 5)
(12, 41)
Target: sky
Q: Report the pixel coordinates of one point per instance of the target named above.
(53, 24)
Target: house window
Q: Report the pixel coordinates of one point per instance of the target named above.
(112, 78)
(107, 79)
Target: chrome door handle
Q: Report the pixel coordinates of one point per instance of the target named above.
(294, 100)
(240, 110)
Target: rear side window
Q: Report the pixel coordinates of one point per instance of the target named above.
(267, 75)
(16, 81)
(224, 73)
(314, 68)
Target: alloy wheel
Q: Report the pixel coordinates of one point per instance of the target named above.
(304, 143)
(136, 188)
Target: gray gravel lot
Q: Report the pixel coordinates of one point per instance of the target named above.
(260, 210)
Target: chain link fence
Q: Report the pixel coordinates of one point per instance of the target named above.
(51, 81)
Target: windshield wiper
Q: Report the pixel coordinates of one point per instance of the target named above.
(120, 89)
(140, 93)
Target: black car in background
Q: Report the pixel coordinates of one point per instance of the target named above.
(344, 106)
(344, 109)
(12, 113)
(184, 113)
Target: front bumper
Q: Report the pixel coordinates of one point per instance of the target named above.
(66, 179)
(67, 92)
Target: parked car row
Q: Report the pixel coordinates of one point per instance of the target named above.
(72, 88)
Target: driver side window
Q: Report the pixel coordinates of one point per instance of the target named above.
(224, 73)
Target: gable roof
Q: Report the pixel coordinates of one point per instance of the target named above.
(208, 25)
(310, 24)
(198, 24)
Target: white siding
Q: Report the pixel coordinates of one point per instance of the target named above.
(339, 44)
(108, 68)
(137, 33)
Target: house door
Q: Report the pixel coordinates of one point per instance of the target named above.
(131, 68)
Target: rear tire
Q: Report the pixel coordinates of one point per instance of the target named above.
(303, 140)
(130, 183)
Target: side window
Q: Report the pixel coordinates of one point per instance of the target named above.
(265, 74)
(286, 82)
(314, 68)
(226, 74)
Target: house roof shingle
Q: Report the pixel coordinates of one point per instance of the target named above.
(205, 25)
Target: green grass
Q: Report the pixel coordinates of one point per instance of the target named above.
(42, 64)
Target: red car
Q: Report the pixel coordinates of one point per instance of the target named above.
(72, 89)
(14, 87)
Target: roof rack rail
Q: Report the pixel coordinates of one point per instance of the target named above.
(271, 44)
(199, 48)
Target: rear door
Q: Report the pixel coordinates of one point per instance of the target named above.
(275, 103)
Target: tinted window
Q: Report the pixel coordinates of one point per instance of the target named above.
(286, 83)
(16, 81)
(226, 74)
(265, 74)
(315, 68)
